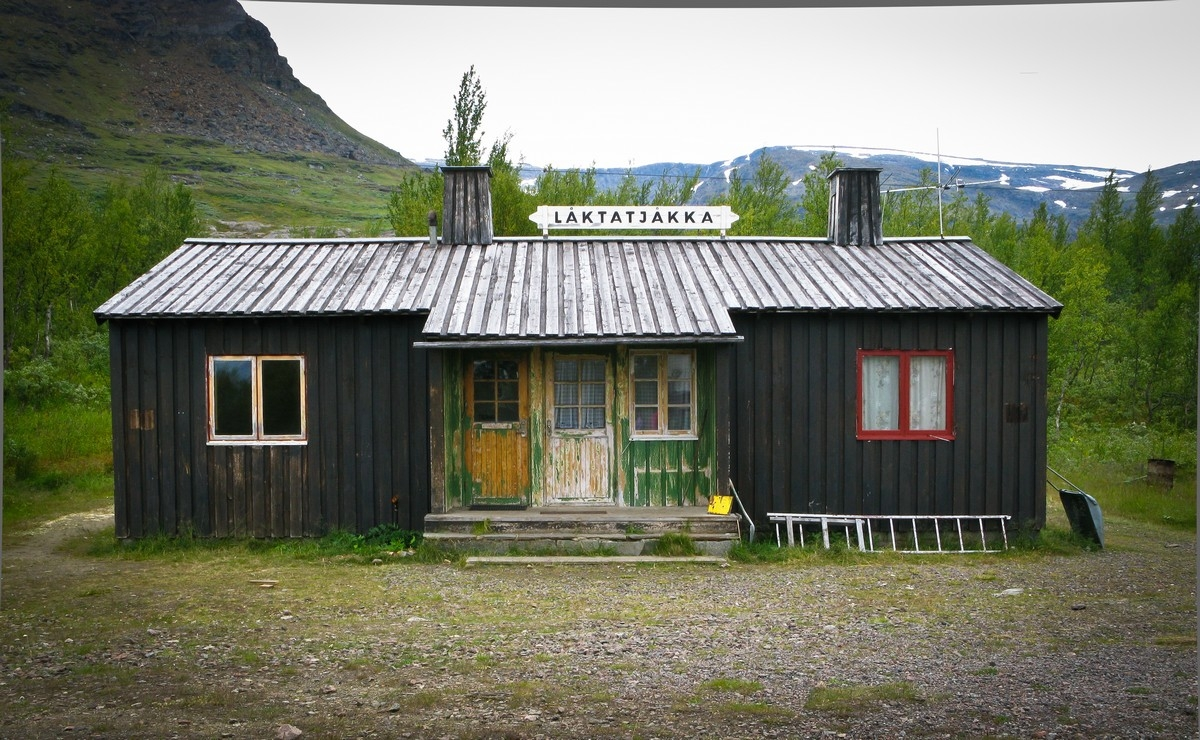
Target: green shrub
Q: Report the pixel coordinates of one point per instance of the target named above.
(19, 458)
(392, 536)
(675, 544)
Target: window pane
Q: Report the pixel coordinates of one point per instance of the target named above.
(927, 392)
(566, 394)
(567, 418)
(645, 419)
(566, 370)
(508, 391)
(593, 370)
(485, 412)
(485, 369)
(506, 369)
(645, 392)
(593, 418)
(679, 367)
(880, 392)
(281, 398)
(233, 397)
(679, 419)
(593, 394)
(507, 412)
(485, 390)
(679, 392)
(645, 366)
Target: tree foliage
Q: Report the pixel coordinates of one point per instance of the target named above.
(464, 139)
(814, 203)
(762, 201)
(1123, 350)
(66, 251)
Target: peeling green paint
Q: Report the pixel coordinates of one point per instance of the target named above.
(669, 472)
(644, 472)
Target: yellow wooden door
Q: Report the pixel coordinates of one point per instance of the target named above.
(497, 453)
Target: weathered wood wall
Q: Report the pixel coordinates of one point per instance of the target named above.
(643, 472)
(793, 400)
(368, 420)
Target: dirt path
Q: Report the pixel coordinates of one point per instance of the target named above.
(1090, 646)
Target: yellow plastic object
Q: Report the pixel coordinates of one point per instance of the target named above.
(720, 504)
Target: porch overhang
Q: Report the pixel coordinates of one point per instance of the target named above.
(529, 342)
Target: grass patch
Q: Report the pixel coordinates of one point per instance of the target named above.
(58, 461)
(848, 701)
(675, 544)
(1110, 463)
(1186, 641)
(387, 544)
(758, 710)
(732, 685)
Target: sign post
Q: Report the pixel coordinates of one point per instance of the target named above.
(719, 218)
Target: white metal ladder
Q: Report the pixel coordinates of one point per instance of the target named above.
(887, 523)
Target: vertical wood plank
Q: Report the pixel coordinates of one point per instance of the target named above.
(164, 428)
(331, 418)
(148, 438)
(347, 419)
(133, 443)
(182, 423)
(118, 361)
(364, 410)
(437, 433)
(197, 406)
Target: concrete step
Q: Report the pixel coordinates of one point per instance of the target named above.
(531, 560)
(566, 521)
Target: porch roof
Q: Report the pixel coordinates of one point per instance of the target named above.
(597, 289)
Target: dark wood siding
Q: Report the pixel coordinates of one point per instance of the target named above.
(793, 401)
(366, 461)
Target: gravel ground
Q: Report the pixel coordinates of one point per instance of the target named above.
(1097, 645)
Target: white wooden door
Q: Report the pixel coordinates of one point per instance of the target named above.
(579, 460)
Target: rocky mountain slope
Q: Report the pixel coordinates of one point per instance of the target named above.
(194, 68)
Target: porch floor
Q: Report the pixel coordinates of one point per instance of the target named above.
(627, 530)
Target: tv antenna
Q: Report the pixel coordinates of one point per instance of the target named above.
(954, 181)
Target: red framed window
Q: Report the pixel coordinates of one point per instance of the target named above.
(906, 394)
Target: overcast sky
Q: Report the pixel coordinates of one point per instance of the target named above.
(1111, 84)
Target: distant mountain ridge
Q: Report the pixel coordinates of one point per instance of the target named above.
(1011, 187)
(105, 88)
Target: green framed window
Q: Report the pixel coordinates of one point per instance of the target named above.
(664, 393)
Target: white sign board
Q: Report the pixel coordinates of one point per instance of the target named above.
(634, 217)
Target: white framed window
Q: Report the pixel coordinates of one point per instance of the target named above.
(664, 393)
(256, 398)
(905, 394)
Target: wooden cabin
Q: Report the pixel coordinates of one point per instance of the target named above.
(287, 387)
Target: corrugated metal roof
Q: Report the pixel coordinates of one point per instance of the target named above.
(573, 288)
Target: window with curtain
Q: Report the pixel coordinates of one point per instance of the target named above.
(256, 399)
(579, 393)
(664, 393)
(905, 394)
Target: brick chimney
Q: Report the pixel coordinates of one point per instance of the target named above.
(855, 209)
(467, 205)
